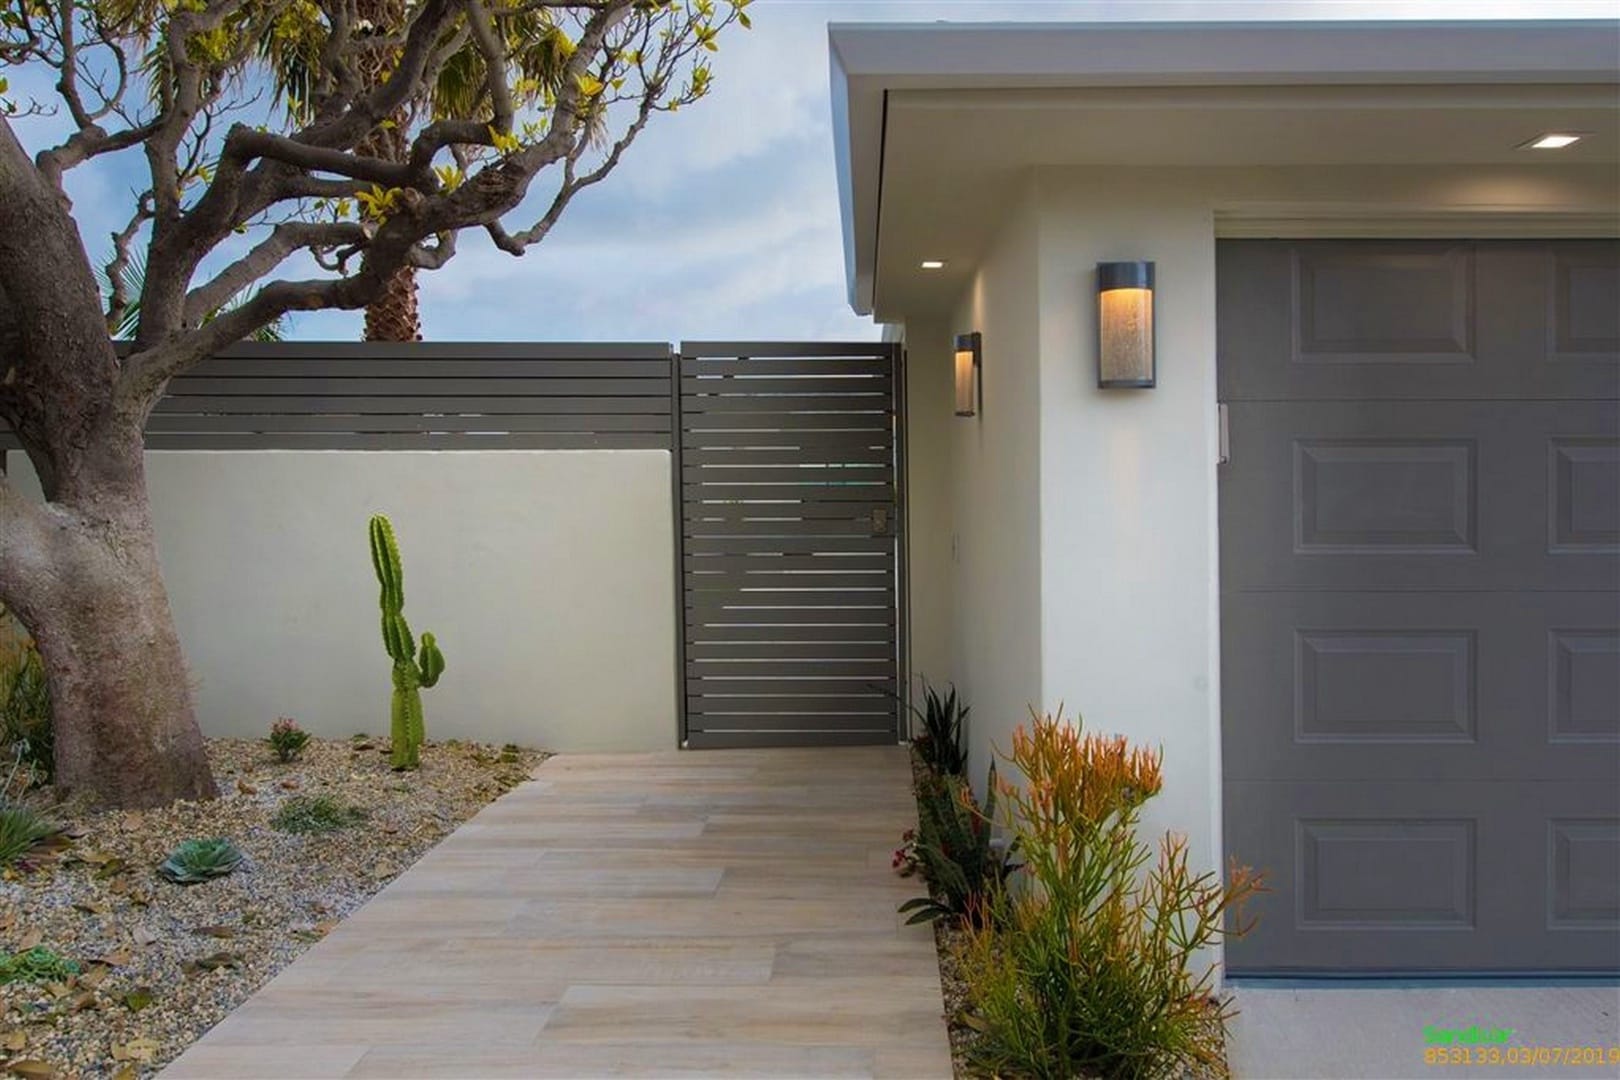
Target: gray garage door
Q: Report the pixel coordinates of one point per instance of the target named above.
(1420, 595)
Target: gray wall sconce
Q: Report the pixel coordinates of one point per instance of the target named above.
(969, 358)
(1125, 325)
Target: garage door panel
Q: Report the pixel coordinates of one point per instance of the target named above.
(1420, 602)
(1456, 494)
(1419, 320)
(1402, 876)
(1421, 685)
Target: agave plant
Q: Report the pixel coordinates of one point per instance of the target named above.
(942, 742)
(199, 860)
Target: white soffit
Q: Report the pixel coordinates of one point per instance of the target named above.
(999, 97)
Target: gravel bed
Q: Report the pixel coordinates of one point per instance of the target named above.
(159, 964)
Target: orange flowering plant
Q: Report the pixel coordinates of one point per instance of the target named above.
(1087, 965)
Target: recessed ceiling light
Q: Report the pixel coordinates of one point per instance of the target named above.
(933, 264)
(1553, 140)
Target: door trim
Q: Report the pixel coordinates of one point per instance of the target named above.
(1316, 221)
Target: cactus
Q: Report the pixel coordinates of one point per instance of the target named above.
(414, 667)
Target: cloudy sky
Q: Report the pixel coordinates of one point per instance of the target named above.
(722, 221)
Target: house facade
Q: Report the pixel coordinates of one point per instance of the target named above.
(1353, 558)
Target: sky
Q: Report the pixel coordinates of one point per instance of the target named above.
(722, 221)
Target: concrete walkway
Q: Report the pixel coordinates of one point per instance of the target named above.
(1377, 1031)
(709, 913)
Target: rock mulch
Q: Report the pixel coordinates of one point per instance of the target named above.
(159, 964)
(947, 939)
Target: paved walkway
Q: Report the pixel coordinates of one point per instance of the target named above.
(1377, 1031)
(706, 913)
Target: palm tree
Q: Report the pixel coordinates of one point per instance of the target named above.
(539, 50)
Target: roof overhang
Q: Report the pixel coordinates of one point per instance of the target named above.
(1045, 70)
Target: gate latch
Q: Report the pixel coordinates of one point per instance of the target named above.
(880, 521)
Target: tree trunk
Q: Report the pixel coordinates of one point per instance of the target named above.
(394, 316)
(125, 729)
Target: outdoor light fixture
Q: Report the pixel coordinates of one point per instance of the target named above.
(969, 354)
(1124, 325)
(1553, 140)
(933, 264)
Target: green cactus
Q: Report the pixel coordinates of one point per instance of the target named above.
(413, 668)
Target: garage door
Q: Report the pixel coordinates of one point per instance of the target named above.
(1420, 595)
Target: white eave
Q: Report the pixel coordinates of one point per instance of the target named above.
(871, 59)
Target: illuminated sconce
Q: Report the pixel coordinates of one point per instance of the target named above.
(969, 355)
(1125, 325)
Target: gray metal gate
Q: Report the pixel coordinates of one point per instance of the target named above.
(785, 477)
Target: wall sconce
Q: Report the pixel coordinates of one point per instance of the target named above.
(1125, 325)
(969, 355)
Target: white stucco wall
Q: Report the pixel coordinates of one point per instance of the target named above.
(929, 496)
(1128, 497)
(975, 573)
(547, 576)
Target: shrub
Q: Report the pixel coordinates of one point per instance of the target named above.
(25, 708)
(1086, 967)
(200, 860)
(21, 831)
(287, 739)
(316, 814)
(38, 964)
(942, 742)
(956, 850)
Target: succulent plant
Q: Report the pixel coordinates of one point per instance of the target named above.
(21, 831)
(287, 739)
(199, 860)
(413, 668)
(316, 814)
(39, 964)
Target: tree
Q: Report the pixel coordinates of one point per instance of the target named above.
(249, 213)
(539, 51)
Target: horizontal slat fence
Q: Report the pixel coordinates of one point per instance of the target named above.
(785, 469)
(418, 396)
(786, 476)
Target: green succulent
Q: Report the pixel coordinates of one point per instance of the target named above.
(316, 814)
(21, 830)
(38, 964)
(199, 860)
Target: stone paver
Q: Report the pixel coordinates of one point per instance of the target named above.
(709, 913)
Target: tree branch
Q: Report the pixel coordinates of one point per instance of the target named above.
(269, 253)
(117, 268)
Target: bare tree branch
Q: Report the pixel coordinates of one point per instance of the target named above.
(264, 257)
(117, 269)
